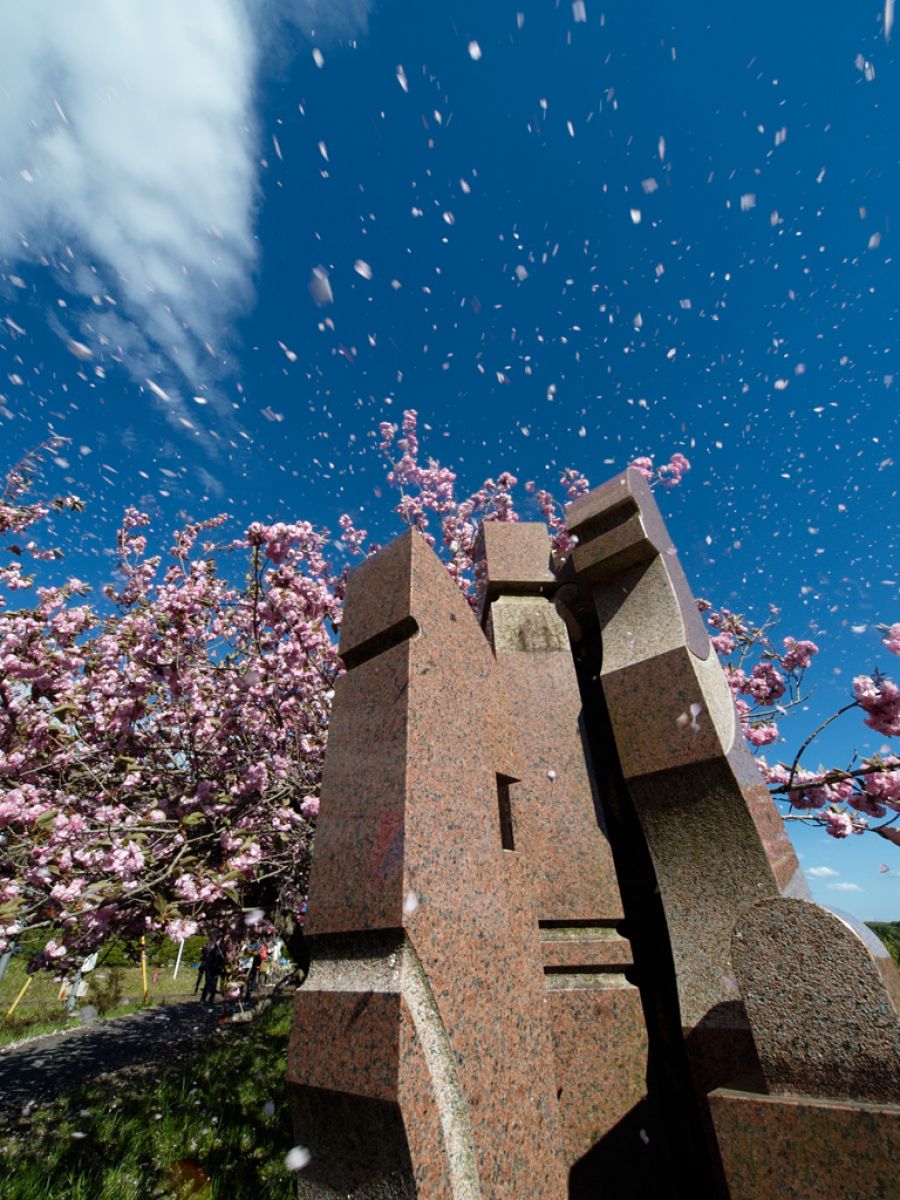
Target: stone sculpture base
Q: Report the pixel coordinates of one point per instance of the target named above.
(797, 1147)
(357, 1145)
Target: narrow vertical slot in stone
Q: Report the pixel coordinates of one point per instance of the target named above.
(504, 805)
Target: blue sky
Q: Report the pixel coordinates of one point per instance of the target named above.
(583, 232)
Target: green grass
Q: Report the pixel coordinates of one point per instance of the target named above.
(41, 1011)
(200, 1128)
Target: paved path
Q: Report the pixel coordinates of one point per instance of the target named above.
(54, 1064)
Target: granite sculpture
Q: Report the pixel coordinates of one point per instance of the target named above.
(418, 1034)
(546, 891)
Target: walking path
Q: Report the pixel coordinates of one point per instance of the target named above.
(49, 1066)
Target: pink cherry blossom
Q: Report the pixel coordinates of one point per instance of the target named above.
(882, 784)
(879, 698)
(644, 464)
(798, 655)
(760, 733)
(130, 745)
(838, 824)
(723, 644)
(180, 929)
(672, 472)
(765, 690)
(891, 638)
(669, 475)
(764, 684)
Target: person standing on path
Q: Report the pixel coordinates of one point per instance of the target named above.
(78, 986)
(201, 967)
(214, 969)
(253, 973)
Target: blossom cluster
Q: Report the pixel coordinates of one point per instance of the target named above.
(161, 751)
(669, 475)
(843, 801)
(430, 491)
(879, 698)
(428, 494)
(765, 690)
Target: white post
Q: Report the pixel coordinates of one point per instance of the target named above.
(178, 959)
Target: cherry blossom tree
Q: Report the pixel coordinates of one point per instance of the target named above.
(767, 681)
(161, 747)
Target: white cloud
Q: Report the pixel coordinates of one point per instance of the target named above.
(821, 872)
(128, 168)
(844, 887)
(314, 18)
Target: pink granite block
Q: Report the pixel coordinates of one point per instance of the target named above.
(619, 527)
(412, 892)
(342, 1021)
(515, 558)
(822, 996)
(797, 1148)
(599, 1046)
(595, 1014)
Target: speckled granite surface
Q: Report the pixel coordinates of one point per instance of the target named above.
(599, 1039)
(714, 836)
(426, 991)
(515, 559)
(619, 525)
(822, 1002)
(797, 1148)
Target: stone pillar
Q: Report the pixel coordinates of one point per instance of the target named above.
(714, 836)
(593, 1012)
(419, 1055)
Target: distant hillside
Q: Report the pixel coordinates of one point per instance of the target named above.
(889, 932)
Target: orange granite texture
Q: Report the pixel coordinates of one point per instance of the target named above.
(798, 1148)
(425, 989)
(822, 1116)
(467, 999)
(594, 1013)
(823, 998)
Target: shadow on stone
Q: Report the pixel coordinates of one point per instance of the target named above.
(358, 1146)
(626, 1163)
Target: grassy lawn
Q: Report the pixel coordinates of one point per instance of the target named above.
(214, 1126)
(41, 1011)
